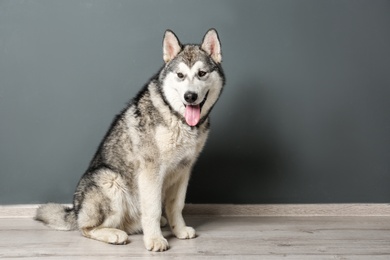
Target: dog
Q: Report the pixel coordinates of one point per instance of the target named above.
(144, 162)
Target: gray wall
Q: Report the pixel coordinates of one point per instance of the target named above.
(304, 117)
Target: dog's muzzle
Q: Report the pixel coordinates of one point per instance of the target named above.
(192, 112)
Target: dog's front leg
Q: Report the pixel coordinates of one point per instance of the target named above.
(174, 204)
(150, 185)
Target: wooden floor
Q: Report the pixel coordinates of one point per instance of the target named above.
(233, 237)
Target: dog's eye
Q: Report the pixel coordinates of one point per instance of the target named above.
(180, 75)
(202, 73)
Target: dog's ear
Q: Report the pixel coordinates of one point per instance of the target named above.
(171, 46)
(212, 46)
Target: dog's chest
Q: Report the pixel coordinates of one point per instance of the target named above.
(178, 143)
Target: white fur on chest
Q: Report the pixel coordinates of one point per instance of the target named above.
(178, 144)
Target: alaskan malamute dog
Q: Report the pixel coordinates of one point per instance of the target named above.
(145, 159)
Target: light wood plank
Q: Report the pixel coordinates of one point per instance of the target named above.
(340, 231)
(218, 237)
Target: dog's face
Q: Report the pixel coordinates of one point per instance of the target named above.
(192, 78)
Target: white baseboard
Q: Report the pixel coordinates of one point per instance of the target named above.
(259, 210)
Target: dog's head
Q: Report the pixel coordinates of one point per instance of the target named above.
(192, 78)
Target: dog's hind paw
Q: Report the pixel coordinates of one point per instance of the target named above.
(163, 221)
(108, 235)
(118, 237)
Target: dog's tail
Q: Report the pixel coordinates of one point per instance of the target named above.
(57, 216)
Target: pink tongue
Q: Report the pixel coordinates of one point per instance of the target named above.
(192, 115)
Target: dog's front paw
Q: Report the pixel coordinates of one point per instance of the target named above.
(185, 233)
(156, 244)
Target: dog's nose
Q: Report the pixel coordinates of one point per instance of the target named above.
(190, 97)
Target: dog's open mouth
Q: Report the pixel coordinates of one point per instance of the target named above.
(192, 112)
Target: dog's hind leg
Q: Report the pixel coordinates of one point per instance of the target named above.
(108, 235)
(102, 208)
(94, 223)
